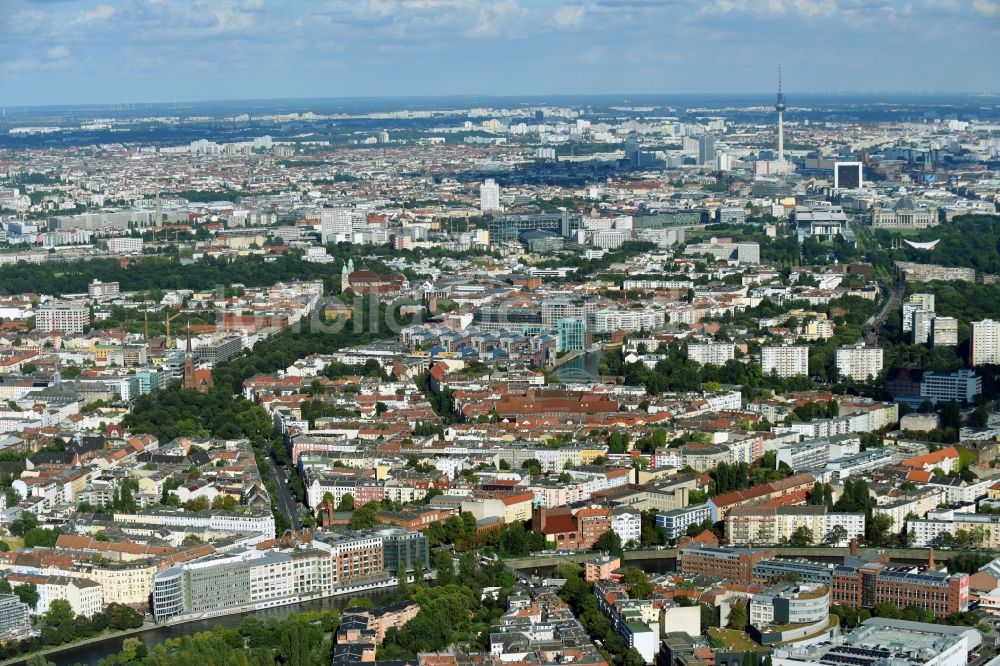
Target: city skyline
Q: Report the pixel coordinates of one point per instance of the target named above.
(85, 52)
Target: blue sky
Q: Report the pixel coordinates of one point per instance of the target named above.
(84, 51)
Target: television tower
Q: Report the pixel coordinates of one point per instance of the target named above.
(779, 106)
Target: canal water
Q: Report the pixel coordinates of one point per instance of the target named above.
(92, 653)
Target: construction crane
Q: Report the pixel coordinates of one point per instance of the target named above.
(170, 319)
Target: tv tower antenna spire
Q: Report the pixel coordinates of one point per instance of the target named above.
(779, 106)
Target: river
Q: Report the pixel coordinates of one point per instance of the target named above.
(91, 653)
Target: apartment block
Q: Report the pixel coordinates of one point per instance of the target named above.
(785, 361)
(944, 332)
(777, 525)
(15, 620)
(62, 316)
(984, 342)
(715, 353)
(859, 363)
(251, 579)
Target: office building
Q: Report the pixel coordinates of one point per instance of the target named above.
(98, 289)
(944, 331)
(489, 196)
(785, 361)
(817, 452)
(923, 322)
(869, 584)
(880, 642)
(821, 222)
(733, 563)
(62, 316)
(790, 604)
(219, 350)
(541, 241)
(125, 245)
(731, 215)
(706, 149)
(724, 249)
(804, 571)
(984, 343)
(848, 176)
(913, 303)
(572, 334)
(962, 385)
(677, 521)
(504, 228)
(336, 225)
(715, 353)
(858, 362)
(402, 546)
(862, 462)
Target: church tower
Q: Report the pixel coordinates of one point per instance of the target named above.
(188, 362)
(345, 276)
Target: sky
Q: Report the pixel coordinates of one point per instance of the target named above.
(102, 51)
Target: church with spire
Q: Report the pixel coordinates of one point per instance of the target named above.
(345, 276)
(197, 378)
(384, 287)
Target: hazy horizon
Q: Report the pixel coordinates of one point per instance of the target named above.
(794, 98)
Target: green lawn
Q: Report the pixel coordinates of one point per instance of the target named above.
(736, 640)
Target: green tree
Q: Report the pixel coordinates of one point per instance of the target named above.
(738, 617)
(39, 660)
(803, 536)
(836, 535)
(27, 593)
(365, 517)
(444, 566)
(637, 583)
(346, 502)
(611, 543)
(532, 466)
(402, 584)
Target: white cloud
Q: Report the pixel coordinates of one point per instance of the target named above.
(802, 7)
(56, 58)
(815, 8)
(986, 7)
(569, 16)
(98, 13)
(494, 19)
